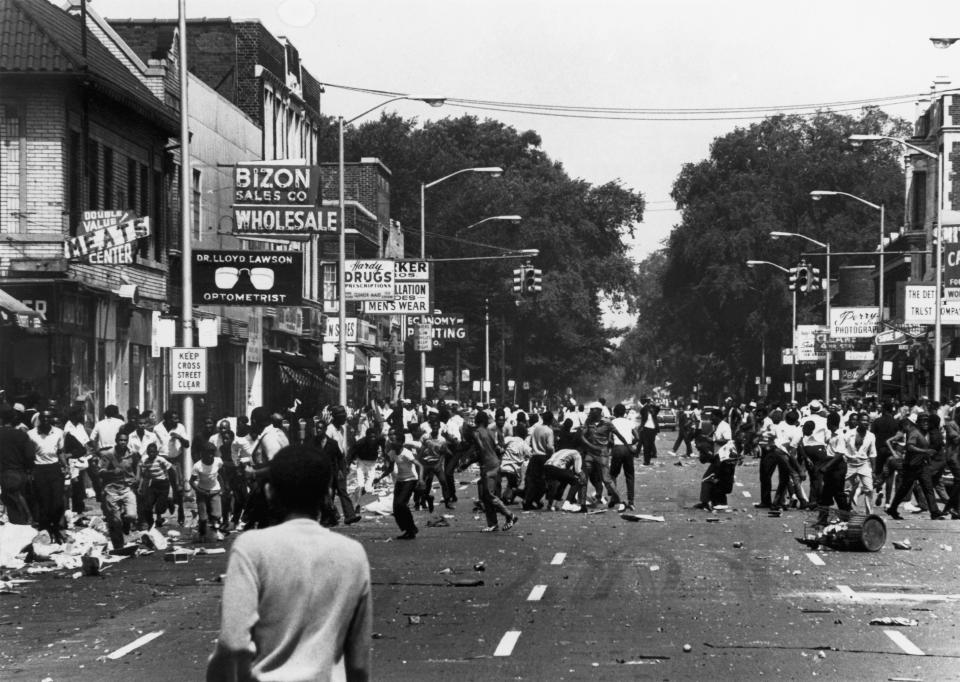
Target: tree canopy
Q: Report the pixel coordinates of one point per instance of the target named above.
(705, 317)
(556, 339)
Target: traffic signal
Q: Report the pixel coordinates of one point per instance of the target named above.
(518, 280)
(803, 278)
(815, 282)
(792, 279)
(529, 280)
(536, 286)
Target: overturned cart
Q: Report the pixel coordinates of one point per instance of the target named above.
(845, 530)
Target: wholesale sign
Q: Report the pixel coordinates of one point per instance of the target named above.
(108, 238)
(854, 322)
(248, 278)
(280, 198)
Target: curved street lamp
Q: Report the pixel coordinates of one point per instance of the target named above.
(494, 171)
(938, 267)
(342, 230)
(509, 218)
(817, 194)
(793, 328)
(826, 290)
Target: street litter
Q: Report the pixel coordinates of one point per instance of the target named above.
(445, 571)
(902, 545)
(153, 539)
(737, 545)
(438, 523)
(211, 550)
(887, 620)
(179, 555)
(465, 583)
(946, 548)
(413, 620)
(479, 566)
(642, 517)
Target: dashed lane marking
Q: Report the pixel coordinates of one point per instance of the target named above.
(558, 559)
(739, 484)
(536, 594)
(135, 644)
(901, 641)
(846, 590)
(815, 559)
(507, 642)
(746, 493)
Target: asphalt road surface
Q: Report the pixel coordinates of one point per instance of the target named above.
(726, 596)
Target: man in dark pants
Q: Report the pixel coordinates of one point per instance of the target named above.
(884, 427)
(595, 437)
(542, 447)
(833, 471)
(952, 463)
(916, 469)
(335, 448)
(625, 439)
(649, 427)
(16, 468)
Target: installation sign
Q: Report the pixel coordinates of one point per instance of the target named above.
(411, 291)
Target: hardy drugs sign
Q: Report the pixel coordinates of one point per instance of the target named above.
(368, 280)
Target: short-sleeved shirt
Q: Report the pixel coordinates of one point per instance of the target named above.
(171, 448)
(207, 475)
(566, 459)
(138, 443)
(156, 469)
(404, 461)
(541, 440)
(46, 446)
(105, 432)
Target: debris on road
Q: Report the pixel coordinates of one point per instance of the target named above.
(479, 566)
(465, 583)
(900, 621)
(642, 517)
(946, 548)
(905, 544)
(687, 648)
(738, 545)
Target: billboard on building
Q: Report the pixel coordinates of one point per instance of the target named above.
(107, 238)
(280, 198)
(248, 278)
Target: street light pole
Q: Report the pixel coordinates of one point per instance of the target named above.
(186, 233)
(495, 171)
(938, 275)
(793, 328)
(342, 239)
(486, 385)
(816, 194)
(826, 290)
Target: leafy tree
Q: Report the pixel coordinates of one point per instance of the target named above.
(557, 339)
(710, 317)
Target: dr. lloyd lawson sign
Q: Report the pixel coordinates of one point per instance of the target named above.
(280, 198)
(854, 322)
(108, 238)
(248, 278)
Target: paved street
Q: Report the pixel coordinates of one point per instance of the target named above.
(564, 596)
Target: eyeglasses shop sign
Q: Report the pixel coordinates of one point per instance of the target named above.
(248, 278)
(857, 322)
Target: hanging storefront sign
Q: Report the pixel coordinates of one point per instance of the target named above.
(859, 322)
(804, 343)
(411, 291)
(248, 278)
(368, 280)
(280, 198)
(445, 327)
(109, 238)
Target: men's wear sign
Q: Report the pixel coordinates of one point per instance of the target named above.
(857, 322)
(411, 291)
(248, 278)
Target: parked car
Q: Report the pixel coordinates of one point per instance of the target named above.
(668, 419)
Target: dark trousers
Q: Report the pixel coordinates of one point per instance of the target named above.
(622, 460)
(13, 494)
(93, 471)
(513, 483)
(450, 465)
(684, 436)
(790, 479)
(429, 471)
(916, 473)
(648, 443)
(492, 505)
(558, 479)
(770, 461)
(49, 489)
(717, 482)
(953, 465)
(831, 491)
(78, 495)
(340, 491)
(535, 482)
(402, 491)
(597, 469)
(155, 502)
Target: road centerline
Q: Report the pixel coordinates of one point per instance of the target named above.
(536, 594)
(507, 643)
(558, 559)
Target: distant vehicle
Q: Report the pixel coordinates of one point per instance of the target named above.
(668, 418)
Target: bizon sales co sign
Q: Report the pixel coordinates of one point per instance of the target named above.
(280, 198)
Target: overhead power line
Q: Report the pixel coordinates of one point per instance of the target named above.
(662, 113)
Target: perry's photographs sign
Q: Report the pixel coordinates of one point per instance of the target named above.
(248, 278)
(109, 238)
(860, 322)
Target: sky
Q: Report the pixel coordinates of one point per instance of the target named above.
(637, 54)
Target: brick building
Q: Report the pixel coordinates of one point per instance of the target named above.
(81, 130)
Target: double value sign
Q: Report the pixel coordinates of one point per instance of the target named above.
(108, 238)
(248, 278)
(280, 199)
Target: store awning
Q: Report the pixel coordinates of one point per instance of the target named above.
(14, 311)
(296, 368)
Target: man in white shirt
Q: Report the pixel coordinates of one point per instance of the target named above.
(172, 439)
(257, 449)
(140, 437)
(715, 477)
(103, 438)
(860, 455)
(336, 450)
(50, 468)
(625, 441)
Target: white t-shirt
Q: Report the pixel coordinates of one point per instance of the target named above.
(787, 437)
(625, 428)
(105, 431)
(206, 475)
(46, 447)
(138, 444)
(171, 448)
